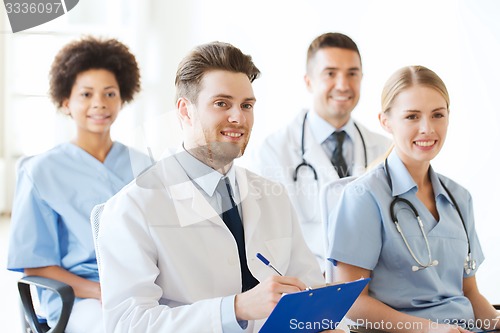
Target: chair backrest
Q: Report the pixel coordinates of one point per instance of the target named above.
(95, 223)
(329, 198)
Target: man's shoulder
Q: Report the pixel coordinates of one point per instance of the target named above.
(288, 131)
(257, 180)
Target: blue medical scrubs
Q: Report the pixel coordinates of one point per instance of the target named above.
(364, 235)
(55, 194)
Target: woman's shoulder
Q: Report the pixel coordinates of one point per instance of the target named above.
(137, 159)
(48, 159)
(454, 187)
(374, 177)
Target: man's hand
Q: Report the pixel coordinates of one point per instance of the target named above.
(259, 302)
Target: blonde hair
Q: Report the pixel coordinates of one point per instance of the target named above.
(410, 76)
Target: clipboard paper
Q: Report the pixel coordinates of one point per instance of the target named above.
(313, 310)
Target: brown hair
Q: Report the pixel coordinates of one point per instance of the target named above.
(407, 77)
(207, 57)
(330, 39)
(93, 53)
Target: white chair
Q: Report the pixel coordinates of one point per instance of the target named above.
(329, 198)
(95, 223)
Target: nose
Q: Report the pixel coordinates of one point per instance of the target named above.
(342, 82)
(426, 125)
(98, 101)
(236, 115)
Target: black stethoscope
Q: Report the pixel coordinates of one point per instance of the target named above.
(304, 163)
(469, 263)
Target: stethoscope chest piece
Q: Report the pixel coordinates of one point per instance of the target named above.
(469, 264)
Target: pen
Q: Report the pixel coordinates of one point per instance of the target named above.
(268, 264)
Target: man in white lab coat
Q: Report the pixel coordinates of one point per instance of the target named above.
(301, 155)
(169, 259)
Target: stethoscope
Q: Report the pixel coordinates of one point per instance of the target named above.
(304, 163)
(469, 263)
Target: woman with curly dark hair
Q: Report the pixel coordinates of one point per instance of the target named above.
(90, 80)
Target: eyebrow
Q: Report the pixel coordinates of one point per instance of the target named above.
(248, 99)
(418, 111)
(337, 68)
(108, 87)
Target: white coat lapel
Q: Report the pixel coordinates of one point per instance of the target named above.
(191, 206)
(249, 203)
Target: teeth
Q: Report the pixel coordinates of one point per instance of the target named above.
(424, 143)
(341, 98)
(232, 134)
(102, 116)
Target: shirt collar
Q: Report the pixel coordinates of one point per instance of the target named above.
(204, 176)
(402, 181)
(437, 186)
(321, 129)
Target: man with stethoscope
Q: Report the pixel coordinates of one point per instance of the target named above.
(324, 143)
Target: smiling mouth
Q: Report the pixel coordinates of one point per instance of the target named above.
(425, 143)
(232, 134)
(99, 116)
(340, 98)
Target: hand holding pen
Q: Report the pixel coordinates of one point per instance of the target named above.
(259, 302)
(268, 264)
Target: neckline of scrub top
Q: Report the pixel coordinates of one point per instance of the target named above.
(84, 157)
(115, 149)
(402, 181)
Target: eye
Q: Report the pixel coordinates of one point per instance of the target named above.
(353, 74)
(220, 104)
(85, 94)
(438, 115)
(247, 106)
(111, 94)
(411, 117)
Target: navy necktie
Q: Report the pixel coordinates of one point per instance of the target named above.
(337, 159)
(232, 219)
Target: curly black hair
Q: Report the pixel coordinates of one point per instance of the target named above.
(94, 53)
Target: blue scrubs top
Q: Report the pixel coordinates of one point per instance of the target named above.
(364, 235)
(55, 194)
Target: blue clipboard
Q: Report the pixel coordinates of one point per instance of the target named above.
(313, 310)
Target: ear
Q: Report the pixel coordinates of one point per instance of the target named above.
(385, 122)
(65, 107)
(307, 81)
(184, 111)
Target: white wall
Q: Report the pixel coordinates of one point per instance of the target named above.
(459, 39)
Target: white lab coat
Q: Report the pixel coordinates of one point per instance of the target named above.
(281, 153)
(167, 258)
